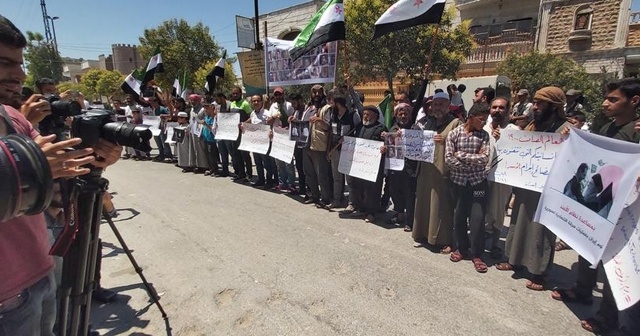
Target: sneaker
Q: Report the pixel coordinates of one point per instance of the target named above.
(349, 209)
(333, 205)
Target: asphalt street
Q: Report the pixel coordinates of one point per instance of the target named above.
(228, 259)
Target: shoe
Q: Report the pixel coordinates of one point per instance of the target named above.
(126, 156)
(223, 175)
(349, 209)
(113, 213)
(104, 295)
(187, 170)
(309, 200)
(158, 159)
(320, 205)
(168, 160)
(369, 218)
(207, 173)
(333, 205)
(258, 184)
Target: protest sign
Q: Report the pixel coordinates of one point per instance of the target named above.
(252, 69)
(394, 157)
(153, 122)
(524, 159)
(255, 138)
(587, 189)
(281, 147)
(621, 257)
(317, 66)
(419, 145)
(360, 158)
(227, 126)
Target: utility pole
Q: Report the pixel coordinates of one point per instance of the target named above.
(53, 27)
(45, 18)
(256, 23)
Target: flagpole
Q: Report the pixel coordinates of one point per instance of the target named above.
(266, 77)
(425, 77)
(335, 75)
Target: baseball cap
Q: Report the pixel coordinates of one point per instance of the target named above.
(441, 95)
(523, 92)
(278, 90)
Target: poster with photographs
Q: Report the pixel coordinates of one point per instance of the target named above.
(587, 189)
(299, 132)
(394, 158)
(317, 66)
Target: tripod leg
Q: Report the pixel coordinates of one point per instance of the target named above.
(150, 290)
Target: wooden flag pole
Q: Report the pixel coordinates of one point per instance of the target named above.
(425, 77)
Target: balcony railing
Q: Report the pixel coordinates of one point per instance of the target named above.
(496, 48)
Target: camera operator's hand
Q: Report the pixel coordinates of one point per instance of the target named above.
(35, 108)
(65, 163)
(107, 153)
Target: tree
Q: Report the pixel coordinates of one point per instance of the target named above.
(100, 83)
(535, 70)
(225, 85)
(42, 59)
(184, 48)
(402, 51)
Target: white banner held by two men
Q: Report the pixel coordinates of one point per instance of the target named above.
(418, 145)
(587, 189)
(255, 138)
(227, 126)
(281, 147)
(524, 159)
(360, 158)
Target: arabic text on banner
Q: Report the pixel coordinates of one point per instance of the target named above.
(227, 126)
(360, 158)
(153, 122)
(587, 189)
(252, 69)
(419, 145)
(621, 257)
(281, 147)
(394, 157)
(524, 159)
(255, 138)
(317, 66)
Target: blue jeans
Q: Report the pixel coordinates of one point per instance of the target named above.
(164, 149)
(265, 163)
(35, 313)
(286, 174)
(226, 149)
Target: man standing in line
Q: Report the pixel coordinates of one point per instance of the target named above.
(316, 167)
(521, 115)
(280, 111)
(164, 149)
(245, 166)
(259, 116)
(298, 115)
(197, 146)
(467, 155)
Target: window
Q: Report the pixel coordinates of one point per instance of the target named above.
(583, 18)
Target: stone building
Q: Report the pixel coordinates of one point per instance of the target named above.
(287, 23)
(126, 58)
(599, 35)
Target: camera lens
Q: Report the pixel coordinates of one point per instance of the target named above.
(126, 134)
(27, 184)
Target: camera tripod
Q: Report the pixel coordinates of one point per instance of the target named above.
(79, 267)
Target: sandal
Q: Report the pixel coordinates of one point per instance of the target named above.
(535, 286)
(570, 295)
(561, 246)
(479, 265)
(505, 266)
(592, 325)
(446, 249)
(456, 256)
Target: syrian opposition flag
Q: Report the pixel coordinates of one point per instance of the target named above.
(216, 72)
(131, 86)
(326, 26)
(177, 90)
(408, 13)
(154, 66)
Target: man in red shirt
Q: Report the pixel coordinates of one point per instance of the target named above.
(27, 287)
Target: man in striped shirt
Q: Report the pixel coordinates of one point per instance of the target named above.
(467, 155)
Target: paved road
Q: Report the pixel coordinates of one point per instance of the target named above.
(231, 260)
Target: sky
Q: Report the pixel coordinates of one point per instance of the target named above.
(88, 28)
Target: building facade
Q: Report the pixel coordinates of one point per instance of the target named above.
(126, 58)
(287, 23)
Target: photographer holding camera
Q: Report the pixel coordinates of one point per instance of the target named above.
(27, 288)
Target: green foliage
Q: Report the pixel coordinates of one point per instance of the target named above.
(100, 83)
(402, 51)
(535, 70)
(184, 48)
(225, 85)
(41, 58)
(66, 86)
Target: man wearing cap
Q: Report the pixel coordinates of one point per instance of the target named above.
(574, 103)
(530, 244)
(433, 218)
(521, 114)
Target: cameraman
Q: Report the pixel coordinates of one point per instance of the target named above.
(27, 288)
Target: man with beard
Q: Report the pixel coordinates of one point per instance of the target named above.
(226, 147)
(316, 166)
(433, 221)
(244, 170)
(279, 113)
(402, 184)
(620, 104)
(366, 194)
(530, 244)
(499, 194)
(298, 114)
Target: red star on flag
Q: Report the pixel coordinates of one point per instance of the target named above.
(417, 3)
(338, 9)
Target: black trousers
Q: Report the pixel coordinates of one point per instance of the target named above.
(265, 163)
(213, 157)
(243, 162)
(302, 181)
(366, 195)
(586, 281)
(470, 203)
(402, 188)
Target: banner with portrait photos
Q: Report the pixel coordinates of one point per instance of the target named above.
(318, 66)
